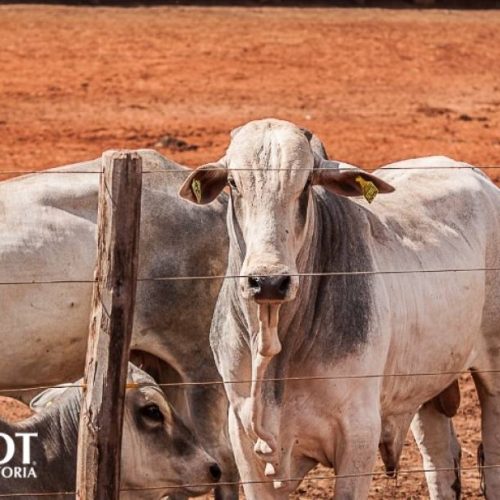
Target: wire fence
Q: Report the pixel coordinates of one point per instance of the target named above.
(239, 276)
(186, 171)
(186, 384)
(332, 476)
(318, 378)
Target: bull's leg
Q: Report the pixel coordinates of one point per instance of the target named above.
(392, 439)
(488, 388)
(354, 457)
(251, 468)
(435, 437)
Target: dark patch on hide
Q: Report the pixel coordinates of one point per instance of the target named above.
(389, 458)
(183, 440)
(303, 206)
(341, 305)
(480, 464)
(457, 484)
(318, 147)
(447, 401)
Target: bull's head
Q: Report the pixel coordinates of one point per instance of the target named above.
(271, 169)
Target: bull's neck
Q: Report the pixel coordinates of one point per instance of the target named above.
(336, 241)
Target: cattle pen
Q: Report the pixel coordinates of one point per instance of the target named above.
(376, 83)
(120, 194)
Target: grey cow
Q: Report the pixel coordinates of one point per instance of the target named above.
(160, 454)
(48, 228)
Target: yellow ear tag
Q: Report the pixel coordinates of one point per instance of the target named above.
(369, 189)
(196, 188)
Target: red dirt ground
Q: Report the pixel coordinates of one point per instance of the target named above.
(376, 85)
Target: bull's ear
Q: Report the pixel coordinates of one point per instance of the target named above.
(351, 182)
(204, 184)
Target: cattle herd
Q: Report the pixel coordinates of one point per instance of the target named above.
(339, 284)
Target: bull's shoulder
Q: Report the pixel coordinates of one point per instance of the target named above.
(435, 199)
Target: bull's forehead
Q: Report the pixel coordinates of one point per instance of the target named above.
(270, 153)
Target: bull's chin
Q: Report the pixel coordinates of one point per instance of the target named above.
(189, 491)
(196, 491)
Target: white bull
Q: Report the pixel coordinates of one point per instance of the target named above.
(422, 297)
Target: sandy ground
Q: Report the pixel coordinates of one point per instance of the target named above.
(375, 85)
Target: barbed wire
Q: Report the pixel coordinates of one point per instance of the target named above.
(267, 379)
(188, 171)
(238, 276)
(330, 477)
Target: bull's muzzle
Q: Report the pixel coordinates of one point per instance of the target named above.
(269, 288)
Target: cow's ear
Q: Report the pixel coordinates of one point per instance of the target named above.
(351, 182)
(204, 184)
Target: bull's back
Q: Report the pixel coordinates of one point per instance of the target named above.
(47, 224)
(443, 213)
(439, 228)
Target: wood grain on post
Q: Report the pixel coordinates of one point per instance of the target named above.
(113, 300)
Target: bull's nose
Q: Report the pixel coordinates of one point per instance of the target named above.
(269, 288)
(215, 472)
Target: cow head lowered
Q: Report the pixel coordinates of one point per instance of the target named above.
(271, 168)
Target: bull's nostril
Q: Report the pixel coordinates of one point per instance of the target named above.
(215, 472)
(285, 284)
(254, 282)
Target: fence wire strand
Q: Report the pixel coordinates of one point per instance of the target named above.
(238, 276)
(333, 476)
(270, 379)
(188, 170)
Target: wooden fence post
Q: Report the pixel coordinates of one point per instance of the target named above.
(118, 222)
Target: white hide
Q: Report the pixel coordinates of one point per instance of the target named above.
(444, 220)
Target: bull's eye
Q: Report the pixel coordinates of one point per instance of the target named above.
(232, 184)
(152, 412)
